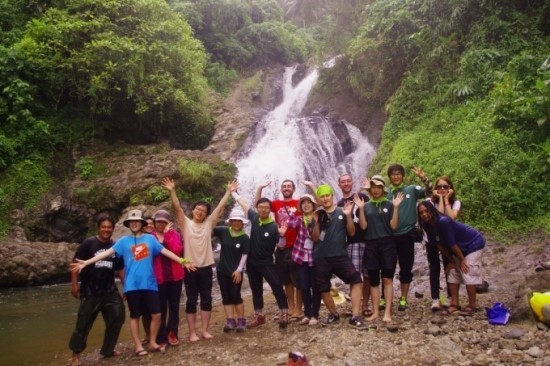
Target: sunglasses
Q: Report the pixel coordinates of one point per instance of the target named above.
(443, 186)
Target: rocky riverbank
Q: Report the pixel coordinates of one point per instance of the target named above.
(415, 337)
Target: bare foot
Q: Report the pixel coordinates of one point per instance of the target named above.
(206, 335)
(387, 319)
(374, 316)
(193, 337)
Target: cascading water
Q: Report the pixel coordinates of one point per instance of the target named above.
(285, 146)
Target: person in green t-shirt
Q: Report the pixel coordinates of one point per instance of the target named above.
(264, 236)
(235, 246)
(407, 233)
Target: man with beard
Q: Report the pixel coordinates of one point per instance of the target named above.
(283, 262)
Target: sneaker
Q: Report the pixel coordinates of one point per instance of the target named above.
(313, 321)
(357, 322)
(257, 321)
(331, 318)
(382, 304)
(304, 321)
(229, 325)
(173, 339)
(241, 325)
(403, 304)
(284, 320)
(436, 305)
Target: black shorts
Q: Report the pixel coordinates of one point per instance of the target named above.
(381, 254)
(340, 266)
(286, 268)
(142, 302)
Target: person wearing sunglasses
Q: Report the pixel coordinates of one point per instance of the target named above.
(444, 200)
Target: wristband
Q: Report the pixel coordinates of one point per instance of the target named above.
(235, 195)
(184, 261)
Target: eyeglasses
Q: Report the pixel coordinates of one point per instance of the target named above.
(443, 186)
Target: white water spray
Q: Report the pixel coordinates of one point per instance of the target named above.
(301, 148)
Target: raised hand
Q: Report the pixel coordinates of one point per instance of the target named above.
(233, 185)
(396, 201)
(266, 183)
(348, 208)
(365, 183)
(359, 201)
(77, 266)
(168, 183)
(419, 172)
(283, 228)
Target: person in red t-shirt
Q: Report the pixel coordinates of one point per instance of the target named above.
(283, 262)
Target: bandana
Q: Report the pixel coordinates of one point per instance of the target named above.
(378, 201)
(323, 189)
(396, 188)
(235, 234)
(269, 220)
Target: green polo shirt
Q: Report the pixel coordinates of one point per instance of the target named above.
(232, 250)
(334, 241)
(378, 220)
(407, 209)
(263, 239)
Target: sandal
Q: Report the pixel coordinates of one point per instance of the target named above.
(469, 311)
(161, 348)
(141, 353)
(450, 310)
(367, 313)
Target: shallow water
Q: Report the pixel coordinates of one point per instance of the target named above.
(36, 324)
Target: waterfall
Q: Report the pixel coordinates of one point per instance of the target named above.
(286, 146)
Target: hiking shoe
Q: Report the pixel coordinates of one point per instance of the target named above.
(331, 318)
(403, 304)
(257, 321)
(357, 322)
(382, 304)
(304, 321)
(229, 325)
(241, 325)
(173, 339)
(284, 320)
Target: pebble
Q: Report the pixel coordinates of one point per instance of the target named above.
(514, 333)
(535, 352)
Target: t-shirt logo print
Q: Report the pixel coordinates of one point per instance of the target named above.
(140, 251)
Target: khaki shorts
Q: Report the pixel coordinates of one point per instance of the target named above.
(473, 277)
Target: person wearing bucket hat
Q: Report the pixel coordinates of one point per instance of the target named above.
(169, 277)
(332, 226)
(97, 292)
(379, 218)
(407, 233)
(463, 246)
(235, 246)
(302, 256)
(264, 236)
(356, 243)
(283, 262)
(140, 285)
(197, 237)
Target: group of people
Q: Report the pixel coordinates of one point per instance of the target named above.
(295, 245)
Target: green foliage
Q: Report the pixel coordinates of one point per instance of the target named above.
(201, 180)
(87, 169)
(220, 78)
(133, 62)
(22, 186)
(157, 194)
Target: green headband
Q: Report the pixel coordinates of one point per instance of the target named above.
(323, 189)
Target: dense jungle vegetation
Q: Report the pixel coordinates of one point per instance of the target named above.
(465, 84)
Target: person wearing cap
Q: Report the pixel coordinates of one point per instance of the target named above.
(169, 277)
(140, 285)
(379, 218)
(463, 246)
(406, 233)
(287, 271)
(264, 236)
(97, 292)
(356, 243)
(332, 226)
(302, 255)
(197, 238)
(235, 246)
